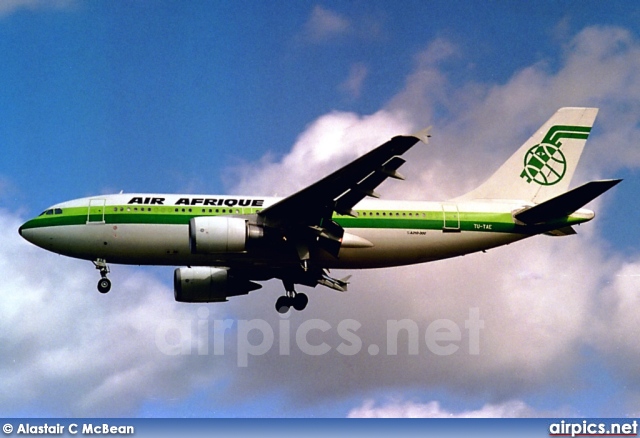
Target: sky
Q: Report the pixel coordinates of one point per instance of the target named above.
(264, 98)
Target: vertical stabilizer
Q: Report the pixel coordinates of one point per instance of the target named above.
(543, 166)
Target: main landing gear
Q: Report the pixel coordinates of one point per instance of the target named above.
(104, 285)
(291, 299)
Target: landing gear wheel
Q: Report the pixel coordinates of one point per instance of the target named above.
(283, 304)
(300, 301)
(104, 285)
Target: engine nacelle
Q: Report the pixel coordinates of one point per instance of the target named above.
(206, 285)
(221, 234)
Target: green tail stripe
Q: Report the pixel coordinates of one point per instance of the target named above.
(569, 135)
(561, 131)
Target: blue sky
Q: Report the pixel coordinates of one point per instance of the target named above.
(263, 98)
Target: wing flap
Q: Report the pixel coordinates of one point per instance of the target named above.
(561, 232)
(366, 186)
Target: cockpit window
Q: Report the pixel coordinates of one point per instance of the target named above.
(51, 211)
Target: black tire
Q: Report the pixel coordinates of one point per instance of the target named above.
(104, 285)
(283, 304)
(300, 301)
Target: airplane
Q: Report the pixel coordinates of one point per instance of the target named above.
(227, 243)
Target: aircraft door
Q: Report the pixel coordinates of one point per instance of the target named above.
(450, 218)
(95, 214)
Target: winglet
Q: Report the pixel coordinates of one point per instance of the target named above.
(423, 135)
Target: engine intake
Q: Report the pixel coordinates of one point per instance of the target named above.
(221, 234)
(207, 285)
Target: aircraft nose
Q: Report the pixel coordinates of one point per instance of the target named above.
(24, 231)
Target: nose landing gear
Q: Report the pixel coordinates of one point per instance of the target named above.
(104, 285)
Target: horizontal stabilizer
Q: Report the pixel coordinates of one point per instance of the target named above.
(566, 203)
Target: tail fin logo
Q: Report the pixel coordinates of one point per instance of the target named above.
(545, 163)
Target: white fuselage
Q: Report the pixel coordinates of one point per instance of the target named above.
(113, 228)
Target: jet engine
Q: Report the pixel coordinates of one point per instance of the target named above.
(221, 234)
(206, 285)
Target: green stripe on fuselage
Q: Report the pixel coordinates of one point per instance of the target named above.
(376, 219)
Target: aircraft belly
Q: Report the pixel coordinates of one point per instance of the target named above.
(142, 244)
(81, 241)
(153, 243)
(168, 244)
(119, 243)
(403, 247)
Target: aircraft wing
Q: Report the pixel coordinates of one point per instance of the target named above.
(310, 209)
(345, 187)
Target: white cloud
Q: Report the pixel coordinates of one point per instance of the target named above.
(354, 83)
(438, 51)
(618, 319)
(509, 409)
(325, 24)
(8, 7)
(328, 143)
